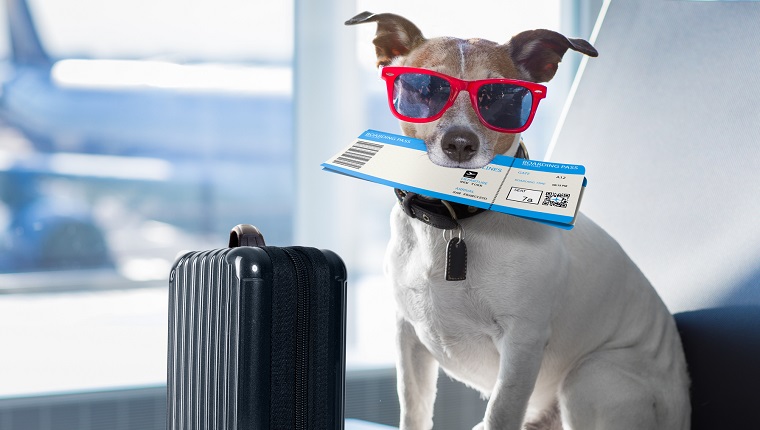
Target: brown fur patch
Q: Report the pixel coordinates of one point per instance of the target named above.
(483, 59)
(539, 52)
(504, 144)
(550, 420)
(395, 35)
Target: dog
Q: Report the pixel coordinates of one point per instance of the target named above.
(557, 329)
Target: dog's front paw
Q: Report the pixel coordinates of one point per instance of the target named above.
(479, 426)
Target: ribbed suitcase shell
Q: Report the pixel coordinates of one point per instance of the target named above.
(256, 340)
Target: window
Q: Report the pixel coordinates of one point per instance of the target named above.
(143, 128)
(137, 131)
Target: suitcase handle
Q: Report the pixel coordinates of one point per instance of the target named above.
(246, 235)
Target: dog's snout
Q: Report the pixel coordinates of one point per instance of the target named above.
(460, 144)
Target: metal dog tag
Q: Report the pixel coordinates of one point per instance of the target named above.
(456, 260)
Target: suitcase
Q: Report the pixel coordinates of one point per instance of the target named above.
(256, 337)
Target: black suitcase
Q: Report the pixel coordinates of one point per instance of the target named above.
(256, 338)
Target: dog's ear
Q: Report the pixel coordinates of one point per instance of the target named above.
(395, 35)
(538, 52)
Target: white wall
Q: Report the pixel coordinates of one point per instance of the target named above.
(667, 123)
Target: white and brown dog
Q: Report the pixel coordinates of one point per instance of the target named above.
(558, 329)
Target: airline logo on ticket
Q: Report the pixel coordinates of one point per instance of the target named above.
(543, 191)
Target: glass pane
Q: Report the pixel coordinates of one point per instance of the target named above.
(129, 131)
(187, 30)
(420, 96)
(505, 106)
(150, 127)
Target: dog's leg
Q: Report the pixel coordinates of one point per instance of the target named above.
(416, 379)
(521, 350)
(613, 391)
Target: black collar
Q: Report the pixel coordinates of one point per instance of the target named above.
(441, 213)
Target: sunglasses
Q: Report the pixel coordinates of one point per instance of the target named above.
(421, 95)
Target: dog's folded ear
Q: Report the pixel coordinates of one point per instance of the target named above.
(395, 35)
(538, 52)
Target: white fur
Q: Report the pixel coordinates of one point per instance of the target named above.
(545, 315)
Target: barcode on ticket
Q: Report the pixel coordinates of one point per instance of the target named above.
(557, 200)
(358, 154)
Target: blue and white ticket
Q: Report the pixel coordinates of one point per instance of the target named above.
(542, 191)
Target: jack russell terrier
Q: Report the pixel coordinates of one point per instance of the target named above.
(558, 329)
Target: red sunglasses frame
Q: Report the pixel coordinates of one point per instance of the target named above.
(390, 73)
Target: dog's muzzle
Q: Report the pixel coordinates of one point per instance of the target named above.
(460, 144)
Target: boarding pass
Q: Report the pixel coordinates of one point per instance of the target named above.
(542, 191)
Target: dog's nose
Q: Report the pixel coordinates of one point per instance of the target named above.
(460, 144)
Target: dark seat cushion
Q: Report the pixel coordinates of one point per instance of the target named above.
(722, 347)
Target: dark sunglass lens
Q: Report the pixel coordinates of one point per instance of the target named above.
(505, 105)
(417, 95)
